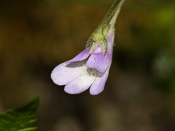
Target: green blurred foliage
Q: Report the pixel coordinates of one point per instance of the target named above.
(20, 119)
(37, 35)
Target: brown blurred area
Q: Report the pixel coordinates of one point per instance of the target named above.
(37, 35)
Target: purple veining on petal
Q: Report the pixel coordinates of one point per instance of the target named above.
(99, 84)
(75, 64)
(94, 72)
(99, 62)
(80, 84)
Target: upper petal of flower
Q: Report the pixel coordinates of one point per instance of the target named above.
(68, 71)
(98, 85)
(82, 83)
(99, 62)
(81, 56)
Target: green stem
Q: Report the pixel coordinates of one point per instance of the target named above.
(112, 14)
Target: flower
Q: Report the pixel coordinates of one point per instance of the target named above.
(85, 70)
(90, 68)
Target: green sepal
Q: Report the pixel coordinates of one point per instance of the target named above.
(98, 37)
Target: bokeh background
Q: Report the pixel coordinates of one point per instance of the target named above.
(37, 35)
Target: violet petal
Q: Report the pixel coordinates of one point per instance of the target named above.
(62, 75)
(99, 84)
(99, 62)
(81, 56)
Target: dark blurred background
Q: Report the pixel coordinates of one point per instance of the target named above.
(37, 35)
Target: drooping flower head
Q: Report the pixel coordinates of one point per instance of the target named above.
(90, 68)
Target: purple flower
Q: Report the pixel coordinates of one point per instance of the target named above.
(85, 70)
(90, 68)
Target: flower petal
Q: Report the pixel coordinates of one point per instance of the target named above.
(99, 62)
(80, 84)
(69, 70)
(62, 75)
(99, 84)
(81, 56)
